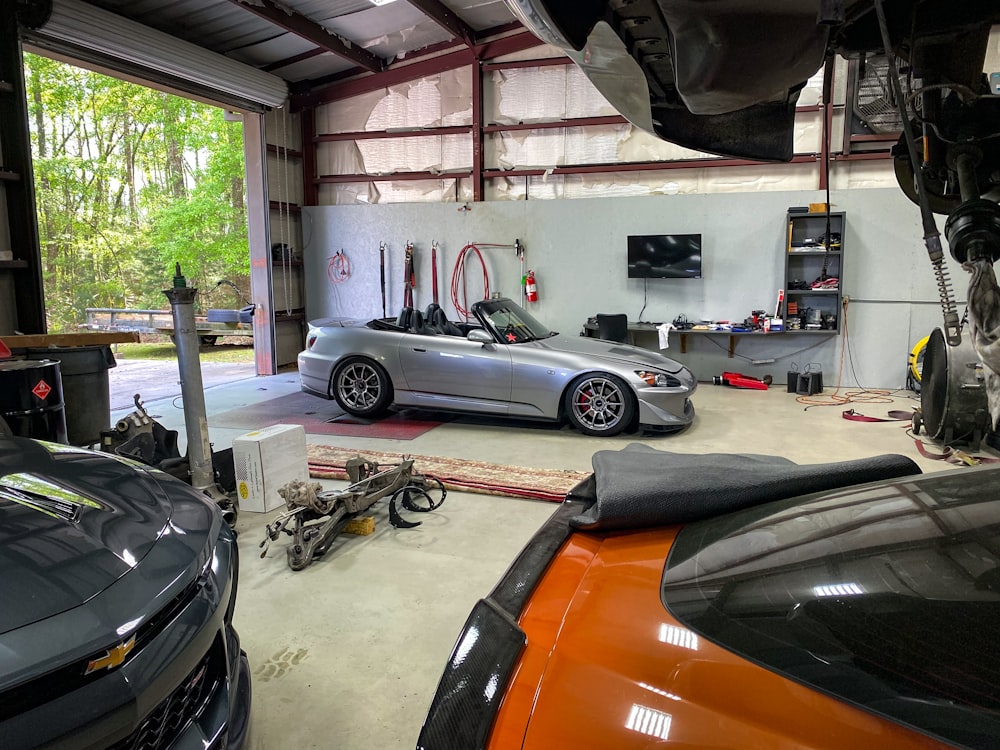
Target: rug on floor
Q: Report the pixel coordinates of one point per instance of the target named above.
(328, 462)
(321, 417)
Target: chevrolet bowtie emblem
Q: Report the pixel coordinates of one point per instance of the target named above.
(114, 657)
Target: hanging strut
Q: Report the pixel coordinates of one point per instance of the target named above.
(434, 271)
(409, 279)
(381, 266)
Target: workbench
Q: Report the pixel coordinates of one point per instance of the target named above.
(643, 330)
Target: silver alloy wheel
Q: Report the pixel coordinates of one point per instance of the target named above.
(359, 386)
(599, 404)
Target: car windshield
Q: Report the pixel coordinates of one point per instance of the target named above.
(888, 598)
(512, 323)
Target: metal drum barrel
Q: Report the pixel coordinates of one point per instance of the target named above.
(953, 401)
(31, 399)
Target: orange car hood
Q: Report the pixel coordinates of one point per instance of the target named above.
(608, 667)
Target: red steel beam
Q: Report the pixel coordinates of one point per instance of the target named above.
(875, 138)
(575, 122)
(307, 125)
(418, 54)
(644, 166)
(443, 16)
(405, 72)
(309, 30)
(515, 64)
(368, 135)
(478, 165)
(334, 179)
(863, 156)
(575, 169)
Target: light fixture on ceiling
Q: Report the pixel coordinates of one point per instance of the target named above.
(381, 2)
(82, 31)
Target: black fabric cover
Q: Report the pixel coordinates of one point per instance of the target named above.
(639, 486)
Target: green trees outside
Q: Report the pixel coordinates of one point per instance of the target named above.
(130, 180)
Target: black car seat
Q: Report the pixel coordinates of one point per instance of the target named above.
(405, 319)
(417, 324)
(435, 317)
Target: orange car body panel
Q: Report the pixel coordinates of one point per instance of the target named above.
(606, 666)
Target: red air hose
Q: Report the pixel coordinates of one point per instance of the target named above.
(338, 269)
(459, 290)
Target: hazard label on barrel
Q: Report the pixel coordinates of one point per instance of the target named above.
(41, 389)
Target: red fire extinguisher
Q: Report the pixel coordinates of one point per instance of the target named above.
(530, 290)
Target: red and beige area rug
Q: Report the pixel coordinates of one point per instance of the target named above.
(328, 462)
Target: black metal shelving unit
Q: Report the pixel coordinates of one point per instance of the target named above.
(809, 257)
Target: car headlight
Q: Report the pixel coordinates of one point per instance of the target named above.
(658, 379)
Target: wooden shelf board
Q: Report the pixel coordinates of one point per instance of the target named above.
(30, 341)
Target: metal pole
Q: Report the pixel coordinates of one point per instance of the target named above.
(199, 450)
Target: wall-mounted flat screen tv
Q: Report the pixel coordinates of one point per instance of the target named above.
(664, 256)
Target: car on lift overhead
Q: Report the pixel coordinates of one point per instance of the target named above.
(740, 602)
(503, 362)
(117, 590)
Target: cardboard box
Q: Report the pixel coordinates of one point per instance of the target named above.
(266, 460)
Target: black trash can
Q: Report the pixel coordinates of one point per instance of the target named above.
(86, 393)
(31, 399)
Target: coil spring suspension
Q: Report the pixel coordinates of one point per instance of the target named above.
(949, 310)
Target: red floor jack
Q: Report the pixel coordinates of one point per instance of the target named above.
(739, 380)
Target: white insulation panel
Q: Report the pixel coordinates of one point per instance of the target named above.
(544, 94)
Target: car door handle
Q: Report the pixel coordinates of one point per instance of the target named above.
(419, 350)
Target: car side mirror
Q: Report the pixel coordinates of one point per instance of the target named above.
(480, 336)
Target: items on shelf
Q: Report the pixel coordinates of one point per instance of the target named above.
(813, 270)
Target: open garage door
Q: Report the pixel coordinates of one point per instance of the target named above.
(105, 42)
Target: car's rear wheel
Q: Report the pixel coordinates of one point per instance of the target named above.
(600, 405)
(362, 387)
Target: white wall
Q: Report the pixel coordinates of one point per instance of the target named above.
(577, 249)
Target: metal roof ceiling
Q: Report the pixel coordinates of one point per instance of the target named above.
(364, 37)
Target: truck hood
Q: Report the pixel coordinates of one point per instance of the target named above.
(609, 350)
(72, 522)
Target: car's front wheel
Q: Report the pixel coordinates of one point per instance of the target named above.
(599, 405)
(362, 387)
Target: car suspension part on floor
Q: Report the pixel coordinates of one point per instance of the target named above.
(318, 516)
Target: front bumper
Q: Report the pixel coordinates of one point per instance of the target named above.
(184, 686)
(666, 408)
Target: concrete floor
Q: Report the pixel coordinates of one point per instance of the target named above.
(347, 653)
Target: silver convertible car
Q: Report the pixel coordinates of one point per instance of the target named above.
(502, 362)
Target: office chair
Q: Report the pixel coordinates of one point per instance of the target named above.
(612, 327)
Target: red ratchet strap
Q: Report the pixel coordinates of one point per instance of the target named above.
(894, 416)
(953, 456)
